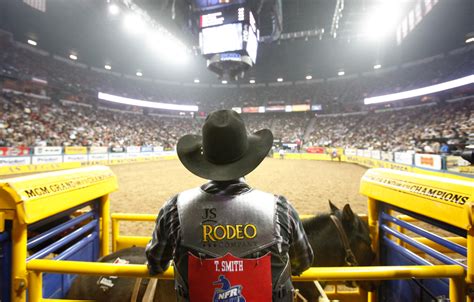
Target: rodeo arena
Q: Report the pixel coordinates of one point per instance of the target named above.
(356, 116)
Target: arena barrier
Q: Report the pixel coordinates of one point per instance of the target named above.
(427, 205)
(454, 273)
(18, 160)
(385, 188)
(56, 215)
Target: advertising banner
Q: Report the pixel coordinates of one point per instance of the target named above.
(250, 110)
(158, 149)
(117, 149)
(314, 149)
(388, 156)
(14, 151)
(431, 161)
(98, 150)
(47, 159)
(133, 155)
(133, 149)
(14, 161)
(404, 158)
(275, 108)
(75, 150)
(117, 156)
(169, 153)
(98, 157)
(48, 150)
(376, 154)
(146, 149)
(301, 107)
(360, 152)
(350, 152)
(367, 153)
(75, 158)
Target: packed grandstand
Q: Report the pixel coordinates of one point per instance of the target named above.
(51, 102)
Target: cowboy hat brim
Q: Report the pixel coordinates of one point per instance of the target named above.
(189, 149)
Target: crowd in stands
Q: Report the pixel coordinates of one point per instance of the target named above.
(422, 129)
(69, 113)
(31, 122)
(26, 121)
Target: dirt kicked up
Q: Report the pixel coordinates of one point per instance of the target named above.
(145, 187)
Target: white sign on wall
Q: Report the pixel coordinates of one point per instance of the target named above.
(75, 158)
(48, 150)
(431, 161)
(47, 159)
(404, 158)
(15, 161)
(96, 157)
(375, 154)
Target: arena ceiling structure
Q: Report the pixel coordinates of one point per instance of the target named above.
(319, 38)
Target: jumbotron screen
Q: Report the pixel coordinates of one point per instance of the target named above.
(229, 29)
(222, 38)
(225, 15)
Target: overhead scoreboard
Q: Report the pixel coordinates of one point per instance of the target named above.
(230, 29)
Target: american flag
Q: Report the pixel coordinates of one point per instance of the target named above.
(37, 4)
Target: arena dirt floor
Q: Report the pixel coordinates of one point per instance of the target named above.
(145, 187)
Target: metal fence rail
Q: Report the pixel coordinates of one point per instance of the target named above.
(454, 272)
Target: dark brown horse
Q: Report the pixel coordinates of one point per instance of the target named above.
(322, 233)
(328, 246)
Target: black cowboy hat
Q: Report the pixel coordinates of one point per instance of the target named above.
(224, 151)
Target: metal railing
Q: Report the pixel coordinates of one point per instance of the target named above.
(455, 274)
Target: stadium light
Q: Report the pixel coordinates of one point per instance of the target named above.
(381, 19)
(114, 9)
(224, 82)
(139, 74)
(133, 24)
(377, 66)
(309, 77)
(73, 57)
(32, 42)
(196, 81)
(252, 81)
(108, 67)
(280, 80)
(341, 73)
(141, 103)
(420, 91)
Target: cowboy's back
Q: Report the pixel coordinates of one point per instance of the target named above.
(229, 242)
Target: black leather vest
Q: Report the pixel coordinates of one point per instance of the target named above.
(213, 225)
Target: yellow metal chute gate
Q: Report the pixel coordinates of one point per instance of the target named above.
(27, 200)
(440, 202)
